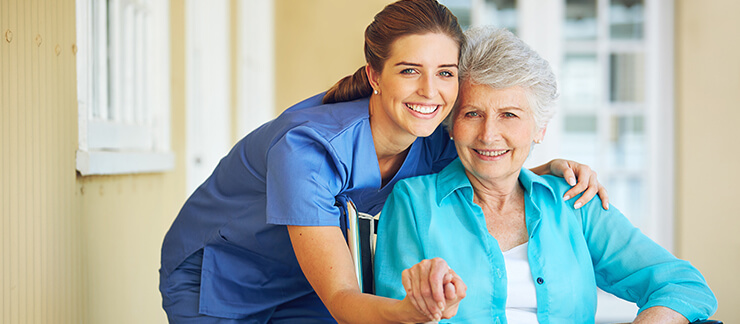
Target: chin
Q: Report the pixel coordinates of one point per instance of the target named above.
(423, 133)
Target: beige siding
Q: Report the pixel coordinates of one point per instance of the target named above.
(708, 114)
(41, 232)
(74, 249)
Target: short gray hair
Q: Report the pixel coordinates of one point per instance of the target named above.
(497, 58)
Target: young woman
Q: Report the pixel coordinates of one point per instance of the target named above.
(261, 239)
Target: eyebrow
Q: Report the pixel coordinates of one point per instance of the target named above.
(419, 65)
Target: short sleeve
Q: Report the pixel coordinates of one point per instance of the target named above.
(303, 178)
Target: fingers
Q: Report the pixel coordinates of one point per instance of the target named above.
(437, 275)
(584, 177)
(424, 284)
(408, 286)
(569, 175)
(455, 291)
(604, 197)
(419, 286)
(591, 190)
(450, 292)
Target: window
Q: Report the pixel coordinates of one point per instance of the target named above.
(123, 86)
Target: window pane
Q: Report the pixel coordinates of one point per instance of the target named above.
(626, 74)
(626, 19)
(580, 81)
(627, 142)
(500, 13)
(580, 138)
(580, 19)
(628, 195)
(461, 9)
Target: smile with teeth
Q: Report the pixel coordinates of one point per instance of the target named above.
(422, 109)
(492, 153)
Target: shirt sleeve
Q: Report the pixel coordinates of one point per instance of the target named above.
(303, 178)
(398, 245)
(631, 266)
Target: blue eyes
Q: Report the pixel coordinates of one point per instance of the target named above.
(476, 114)
(446, 74)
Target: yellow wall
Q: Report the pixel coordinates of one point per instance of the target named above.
(317, 43)
(74, 249)
(708, 115)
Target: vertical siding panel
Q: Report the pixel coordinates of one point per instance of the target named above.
(5, 158)
(25, 145)
(4, 166)
(44, 243)
(36, 291)
(20, 39)
(40, 272)
(59, 247)
(13, 145)
(52, 148)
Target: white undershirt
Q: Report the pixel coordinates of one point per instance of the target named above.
(521, 301)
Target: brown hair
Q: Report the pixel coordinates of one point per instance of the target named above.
(398, 19)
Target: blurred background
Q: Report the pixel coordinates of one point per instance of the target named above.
(113, 111)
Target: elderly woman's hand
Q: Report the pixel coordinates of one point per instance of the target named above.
(580, 176)
(433, 288)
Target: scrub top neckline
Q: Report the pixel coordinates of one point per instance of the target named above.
(401, 170)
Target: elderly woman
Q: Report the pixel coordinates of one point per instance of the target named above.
(525, 254)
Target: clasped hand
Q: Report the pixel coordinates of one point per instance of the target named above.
(433, 288)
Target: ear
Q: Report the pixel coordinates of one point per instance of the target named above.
(372, 76)
(540, 135)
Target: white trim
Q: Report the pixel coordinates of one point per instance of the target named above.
(208, 107)
(102, 162)
(660, 81)
(256, 96)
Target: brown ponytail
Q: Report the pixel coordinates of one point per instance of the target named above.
(398, 19)
(349, 88)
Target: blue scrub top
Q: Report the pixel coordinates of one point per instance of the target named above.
(289, 171)
(570, 252)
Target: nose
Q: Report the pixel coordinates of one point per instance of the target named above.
(490, 132)
(427, 88)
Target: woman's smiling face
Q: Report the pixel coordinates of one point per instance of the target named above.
(493, 131)
(418, 85)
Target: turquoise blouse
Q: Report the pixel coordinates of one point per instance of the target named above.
(571, 251)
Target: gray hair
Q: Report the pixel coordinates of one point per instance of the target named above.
(497, 58)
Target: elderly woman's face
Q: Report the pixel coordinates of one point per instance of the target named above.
(493, 131)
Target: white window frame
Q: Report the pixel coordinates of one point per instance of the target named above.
(123, 86)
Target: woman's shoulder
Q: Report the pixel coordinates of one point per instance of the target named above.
(328, 119)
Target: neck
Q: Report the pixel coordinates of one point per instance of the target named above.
(497, 195)
(391, 145)
(388, 138)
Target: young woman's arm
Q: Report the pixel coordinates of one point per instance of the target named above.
(580, 176)
(324, 257)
